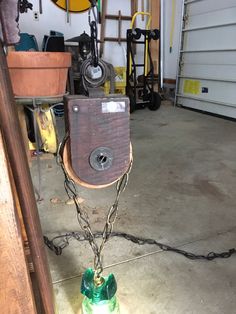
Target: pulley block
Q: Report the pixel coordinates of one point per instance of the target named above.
(98, 151)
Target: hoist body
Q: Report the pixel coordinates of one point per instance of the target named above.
(98, 151)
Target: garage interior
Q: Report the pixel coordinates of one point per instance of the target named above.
(181, 186)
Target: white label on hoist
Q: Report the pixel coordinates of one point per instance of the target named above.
(113, 106)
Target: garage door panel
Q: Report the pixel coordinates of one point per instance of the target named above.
(214, 72)
(223, 16)
(207, 69)
(210, 39)
(208, 107)
(203, 6)
(213, 58)
(209, 90)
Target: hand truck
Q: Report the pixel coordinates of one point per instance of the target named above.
(140, 90)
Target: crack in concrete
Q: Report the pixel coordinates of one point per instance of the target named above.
(231, 230)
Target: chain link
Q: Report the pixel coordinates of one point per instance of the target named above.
(82, 215)
(65, 238)
(94, 32)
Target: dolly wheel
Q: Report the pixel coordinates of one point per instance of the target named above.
(156, 103)
(132, 104)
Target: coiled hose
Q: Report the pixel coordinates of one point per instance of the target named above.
(107, 70)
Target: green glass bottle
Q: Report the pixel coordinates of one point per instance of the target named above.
(100, 294)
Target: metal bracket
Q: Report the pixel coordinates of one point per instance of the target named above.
(101, 158)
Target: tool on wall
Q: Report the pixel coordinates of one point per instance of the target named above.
(40, 7)
(24, 5)
(67, 11)
(142, 9)
(75, 6)
(172, 30)
(99, 12)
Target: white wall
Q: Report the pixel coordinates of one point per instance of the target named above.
(54, 18)
(170, 59)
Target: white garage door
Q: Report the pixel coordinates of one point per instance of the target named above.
(207, 64)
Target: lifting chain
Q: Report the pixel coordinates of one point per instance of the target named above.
(94, 32)
(82, 215)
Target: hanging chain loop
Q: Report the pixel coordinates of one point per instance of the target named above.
(82, 215)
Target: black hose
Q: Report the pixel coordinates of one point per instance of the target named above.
(90, 82)
(108, 73)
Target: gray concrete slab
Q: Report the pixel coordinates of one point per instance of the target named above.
(181, 191)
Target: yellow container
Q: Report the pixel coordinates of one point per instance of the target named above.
(120, 81)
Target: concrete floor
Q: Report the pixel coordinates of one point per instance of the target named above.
(181, 192)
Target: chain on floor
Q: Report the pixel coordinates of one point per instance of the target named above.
(58, 243)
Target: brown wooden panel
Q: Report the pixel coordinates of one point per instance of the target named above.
(14, 145)
(103, 26)
(114, 39)
(169, 81)
(21, 115)
(155, 44)
(117, 17)
(15, 286)
(91, 128)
